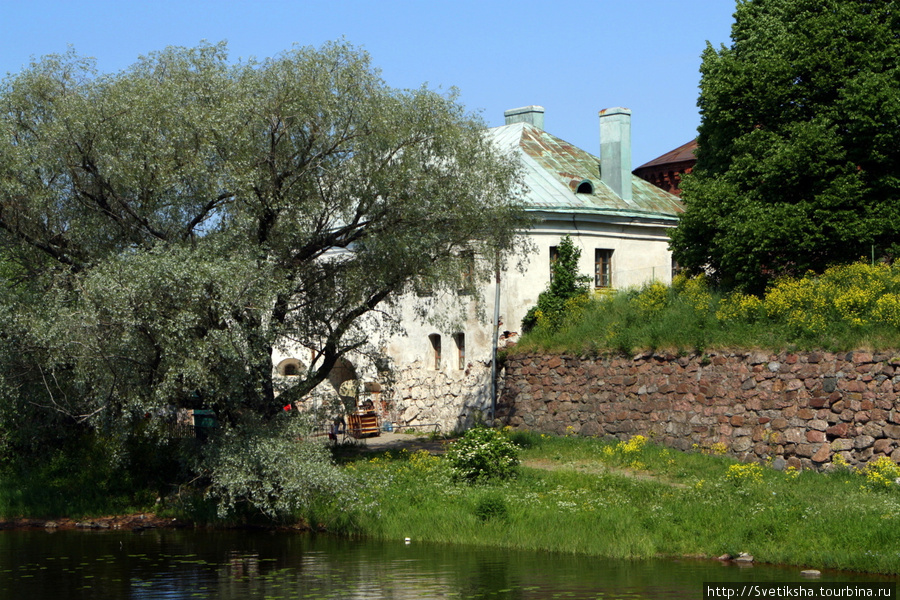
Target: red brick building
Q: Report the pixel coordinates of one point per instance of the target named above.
(665, 171)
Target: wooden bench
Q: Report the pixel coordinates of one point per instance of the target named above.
(363, 425)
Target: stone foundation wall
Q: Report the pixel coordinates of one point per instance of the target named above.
(452, 400)
(799, 409)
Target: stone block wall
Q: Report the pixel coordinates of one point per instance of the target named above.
(451, 401)
(798, 409)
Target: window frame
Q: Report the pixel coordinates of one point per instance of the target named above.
(435, 341)
(603, 272)
(459, 339)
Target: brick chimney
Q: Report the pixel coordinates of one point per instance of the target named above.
(527, 114)
(615, 150)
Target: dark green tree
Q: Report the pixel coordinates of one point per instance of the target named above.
(565, 284)
(798, 166)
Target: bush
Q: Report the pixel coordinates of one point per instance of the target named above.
(845, 308)
(491, 507)
(881, 474)
(482, 454)
(565, 297)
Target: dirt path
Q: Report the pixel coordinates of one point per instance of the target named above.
(593, 467)
(398, 441)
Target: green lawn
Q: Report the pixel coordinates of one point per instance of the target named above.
(632, 499)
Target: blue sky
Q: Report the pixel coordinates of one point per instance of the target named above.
(573, 57)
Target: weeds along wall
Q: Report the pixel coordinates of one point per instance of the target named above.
(805, 410)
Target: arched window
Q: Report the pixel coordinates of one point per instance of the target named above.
(460, 341)
(290, 367)
(435, 361)
(585, 187)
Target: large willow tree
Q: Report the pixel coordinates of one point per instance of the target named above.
(163, 228)
(798, 165)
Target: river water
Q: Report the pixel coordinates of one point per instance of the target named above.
(170, 564)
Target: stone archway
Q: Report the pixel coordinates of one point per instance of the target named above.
(290, 367)
(342, 371)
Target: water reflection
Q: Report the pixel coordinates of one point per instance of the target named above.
(40, 565)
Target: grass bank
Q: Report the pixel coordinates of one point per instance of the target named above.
(846, 308)
(633, 500)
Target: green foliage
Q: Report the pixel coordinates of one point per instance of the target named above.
(492, 506)
(270, 469)
(525, 439)
(845, 308)
(566, 294)
(90, 475)
(798, 143)
(744, 474)
(166, 227)
(482, 454)
(882, 474)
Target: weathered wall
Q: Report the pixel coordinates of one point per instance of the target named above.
(797, 408)
(452, 400)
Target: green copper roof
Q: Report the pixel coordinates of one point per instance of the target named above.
(554, 169)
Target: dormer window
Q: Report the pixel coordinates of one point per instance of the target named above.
(585, 187)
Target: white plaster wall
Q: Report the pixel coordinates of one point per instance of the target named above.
(640, 255)
(452, 394)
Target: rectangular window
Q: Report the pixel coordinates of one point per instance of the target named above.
(460, 339)
(602, 268)
(554, 256)
(435, 340)
(467, 276)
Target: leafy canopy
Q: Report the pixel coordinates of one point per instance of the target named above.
(164, 228)
(799, 142)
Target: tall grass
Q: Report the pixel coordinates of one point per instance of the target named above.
(629, 500)
(849, 307)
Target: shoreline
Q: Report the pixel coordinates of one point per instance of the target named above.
(134, 522)
(139, 522)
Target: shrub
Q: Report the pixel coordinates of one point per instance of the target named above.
(652, 299)
(482, 454)
(844, 308)
(737, 307)
(565, 297)
(491, 507)
(881, 474)
(740, 474)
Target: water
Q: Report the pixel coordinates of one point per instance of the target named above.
(163, 564)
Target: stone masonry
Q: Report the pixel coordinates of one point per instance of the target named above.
(440, 400)
(797, 409)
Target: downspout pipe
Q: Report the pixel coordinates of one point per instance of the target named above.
(496, 339)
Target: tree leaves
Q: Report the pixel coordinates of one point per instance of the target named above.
(183, 217)
(798, 142)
